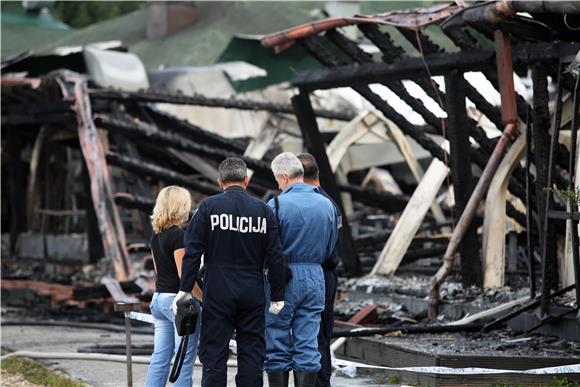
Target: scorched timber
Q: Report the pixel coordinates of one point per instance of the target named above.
(200, 100)
(142, 168)
(194, 132)
(383, 200)
(440, 64)
(313, 45)
(141, 132)
(131, 201)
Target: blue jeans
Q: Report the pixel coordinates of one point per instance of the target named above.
(291, 335)
(166, 344)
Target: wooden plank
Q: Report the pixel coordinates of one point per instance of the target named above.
(258, 147)
(490, 312)
(364, 315)
(567, 263)
(346, 136)
(410, 220)
(494, 224)
(405, 148)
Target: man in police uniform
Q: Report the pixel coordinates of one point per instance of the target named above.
(311, 177)
(238, 236)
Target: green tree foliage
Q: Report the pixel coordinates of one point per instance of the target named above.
(79, 14)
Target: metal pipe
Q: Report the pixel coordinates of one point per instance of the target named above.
(505, 70)
(128, 350)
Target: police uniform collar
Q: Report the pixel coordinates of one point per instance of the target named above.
(234, 188)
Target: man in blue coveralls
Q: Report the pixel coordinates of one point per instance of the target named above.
(308, 226)
(238, 235)
(311, 177)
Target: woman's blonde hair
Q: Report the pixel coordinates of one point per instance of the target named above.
(171, 208)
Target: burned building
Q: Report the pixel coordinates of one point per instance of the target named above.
(485, 191)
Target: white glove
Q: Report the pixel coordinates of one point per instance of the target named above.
(180, 296)
(276, 307)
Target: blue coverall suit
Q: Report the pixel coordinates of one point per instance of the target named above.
(239, 237)
(327, 318)
(308, 231)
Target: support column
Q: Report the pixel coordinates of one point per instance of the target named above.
(16, 186)
(315, 145)
(541, 142)
(463, 184)
(94, 238)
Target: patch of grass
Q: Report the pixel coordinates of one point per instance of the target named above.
(570, 193)
(563, 382)
(36, 373)
(394, 379)
(556, 382)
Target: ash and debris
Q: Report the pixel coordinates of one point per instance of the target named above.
(404, 298)
(500, 343)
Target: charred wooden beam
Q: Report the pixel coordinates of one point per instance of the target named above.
(572, 207)
(193, 132)
(482, 155)
(200, 100)
(460, 166)
(425, 45)
(469, 60)
(128, 200)
(323, 55)
(388, 202)
(94, 237)
(352, 49)
(100, 291)
(143, 168)
(313, 142)
(142, 132)
(134, 185)
(19, 119)
(463, 39)
(17, 186)
(92, 149)
(541, 140)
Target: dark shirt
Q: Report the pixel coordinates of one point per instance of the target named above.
(332, 261)
(163, 245)
(234, 231)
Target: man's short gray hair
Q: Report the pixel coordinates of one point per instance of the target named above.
(232, 169)
(287, 164)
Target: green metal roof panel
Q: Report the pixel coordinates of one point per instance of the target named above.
(280, 67)
(17, 39)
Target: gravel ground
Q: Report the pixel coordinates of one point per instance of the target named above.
(103, 373)
(14, 380)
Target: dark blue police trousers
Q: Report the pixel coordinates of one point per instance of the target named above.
(233, 300)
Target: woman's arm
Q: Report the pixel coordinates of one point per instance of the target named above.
(178, 256)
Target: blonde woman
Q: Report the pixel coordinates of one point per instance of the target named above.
(169, 215)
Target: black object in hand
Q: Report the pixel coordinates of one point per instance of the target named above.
(186, 317)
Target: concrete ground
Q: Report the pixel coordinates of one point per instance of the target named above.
(105, 373)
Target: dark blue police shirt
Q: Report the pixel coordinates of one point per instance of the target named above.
(233, 230)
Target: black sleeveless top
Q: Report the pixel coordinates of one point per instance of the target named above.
(163, 246)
